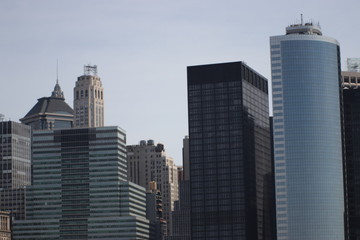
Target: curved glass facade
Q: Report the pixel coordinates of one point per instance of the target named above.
(307, 137)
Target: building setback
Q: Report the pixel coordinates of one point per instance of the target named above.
(307, 134)
(15, 167)
(89, 99)
(80, 188)
(148, 162)
(229, 152)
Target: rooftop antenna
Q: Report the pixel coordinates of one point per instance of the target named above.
(302, 21)
(90, 70)
(57, 71)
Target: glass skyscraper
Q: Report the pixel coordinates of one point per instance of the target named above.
(80, 189)
(229, 152)
(352, 145)
(307, 134)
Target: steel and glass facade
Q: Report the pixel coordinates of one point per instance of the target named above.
(307, 134)
(351, 99)
(80, 189)
(229, 150)
(15, 167)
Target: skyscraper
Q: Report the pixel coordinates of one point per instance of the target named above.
(148, 162)
(229, 152)
(80, 188)
(307, 134)
(50, 112)
(89, 99)
(15, 167)
(351, 111)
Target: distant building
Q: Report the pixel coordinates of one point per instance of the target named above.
(148, 162)
(50, 112)
(15, 167)
(154, 213)
(186, 161)
(5, 225)
(307, 134)
(89, 99)
(350, 79)
(80, 190)
(353, 64)
(230, 156)
(181, 214)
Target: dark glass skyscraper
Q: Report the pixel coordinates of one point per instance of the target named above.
(352, 145)
(230, 157)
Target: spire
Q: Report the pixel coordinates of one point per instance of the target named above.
(57, 93)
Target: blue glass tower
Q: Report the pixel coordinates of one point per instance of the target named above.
(307, 134)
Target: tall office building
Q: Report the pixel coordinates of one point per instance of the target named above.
(229, 150)
(351, 111)
(307, 134)
(79, 188)
(15, 167)
(89, 99)
(50, 112)
(148, 162)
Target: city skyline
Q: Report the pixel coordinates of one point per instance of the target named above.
(142, 50)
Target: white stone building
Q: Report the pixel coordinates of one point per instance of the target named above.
(148, 162)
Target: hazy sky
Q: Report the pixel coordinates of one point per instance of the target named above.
(142, 49)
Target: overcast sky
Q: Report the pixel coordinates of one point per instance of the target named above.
(142, 49)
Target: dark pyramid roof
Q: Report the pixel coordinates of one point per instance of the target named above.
(50, 105)
(54, 104)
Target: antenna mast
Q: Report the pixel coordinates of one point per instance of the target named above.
(57, 71)
(90, 70)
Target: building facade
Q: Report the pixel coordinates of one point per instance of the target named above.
(154, 213)
(15, 167)
(351, 100)
(350, 79)
(5, 225)
(80, 188)
(50, 112)
(89, 99)
(229, 152)
(307, 134)
(148, 162)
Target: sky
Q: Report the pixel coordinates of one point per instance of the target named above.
(142, 49)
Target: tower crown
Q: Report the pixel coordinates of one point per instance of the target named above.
(308, 28)
(57, 93)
